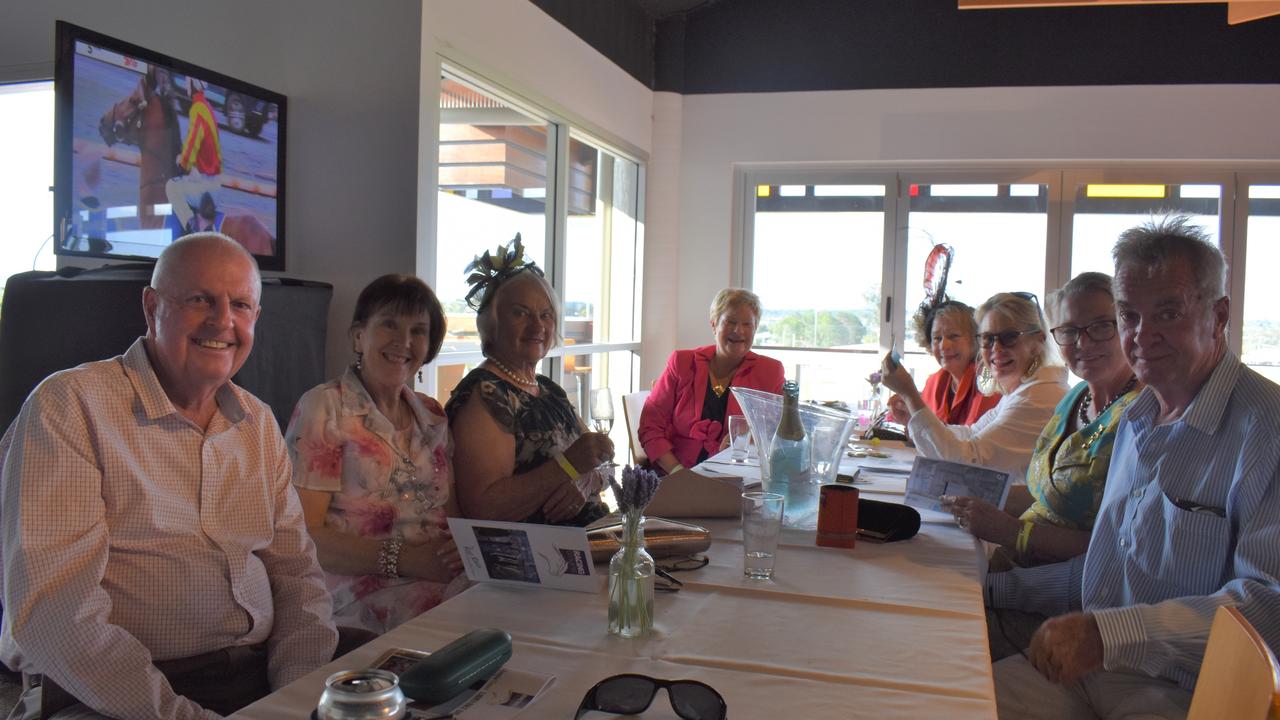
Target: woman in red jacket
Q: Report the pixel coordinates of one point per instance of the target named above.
(684, 418)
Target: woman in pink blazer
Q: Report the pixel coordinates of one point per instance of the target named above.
(684, 418)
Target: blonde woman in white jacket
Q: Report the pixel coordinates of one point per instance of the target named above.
(1016, 360)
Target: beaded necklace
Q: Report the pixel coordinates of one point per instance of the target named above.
(1088, 397)
(519, 380)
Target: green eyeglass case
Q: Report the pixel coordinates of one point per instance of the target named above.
(472, 658)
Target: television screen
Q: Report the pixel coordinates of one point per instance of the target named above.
(150, 148)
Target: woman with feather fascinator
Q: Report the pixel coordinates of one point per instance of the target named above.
(520, 452)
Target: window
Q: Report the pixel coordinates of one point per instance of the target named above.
(494, 170)
(838, 256)
(26, 205)
(802, 231)
(499, 160)
(1260, 331)
(1106, 204)
(997, 230)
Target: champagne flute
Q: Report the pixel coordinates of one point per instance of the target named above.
(601, 410)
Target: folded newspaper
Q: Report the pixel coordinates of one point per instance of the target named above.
(500, 697)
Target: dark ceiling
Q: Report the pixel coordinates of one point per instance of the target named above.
(658, 9)
(721, 46)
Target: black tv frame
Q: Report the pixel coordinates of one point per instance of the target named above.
(67, 36)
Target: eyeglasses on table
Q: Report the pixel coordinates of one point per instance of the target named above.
(685, 563)
(632, 693)
(666, 582)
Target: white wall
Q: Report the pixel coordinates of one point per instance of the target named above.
(522, 50)
(363, 82)
(515, 44)
(350, 72)
(947, 126)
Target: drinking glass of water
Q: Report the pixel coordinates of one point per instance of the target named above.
(601, 410)
(761, 525)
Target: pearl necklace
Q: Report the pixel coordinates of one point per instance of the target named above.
(519, 380)
(1088, 398)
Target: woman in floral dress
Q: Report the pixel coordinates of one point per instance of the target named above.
(372, 465)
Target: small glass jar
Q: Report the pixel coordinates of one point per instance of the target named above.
(362, 695)
(631, 583)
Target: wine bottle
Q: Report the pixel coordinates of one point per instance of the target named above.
(790, 463)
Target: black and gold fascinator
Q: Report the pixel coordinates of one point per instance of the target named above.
(490, 270)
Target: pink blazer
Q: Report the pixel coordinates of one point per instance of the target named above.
(671, 420)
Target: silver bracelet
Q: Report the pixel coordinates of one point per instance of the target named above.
(389, 558)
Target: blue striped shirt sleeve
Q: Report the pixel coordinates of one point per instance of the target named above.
(1046, 589)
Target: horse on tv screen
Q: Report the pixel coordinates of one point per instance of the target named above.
(157, 154)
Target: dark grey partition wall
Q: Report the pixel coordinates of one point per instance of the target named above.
(51, 322)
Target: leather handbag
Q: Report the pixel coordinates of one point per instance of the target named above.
(662, 538)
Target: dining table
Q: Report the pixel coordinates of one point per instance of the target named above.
(882, 630)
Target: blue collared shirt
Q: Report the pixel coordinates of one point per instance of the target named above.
(1190, 520)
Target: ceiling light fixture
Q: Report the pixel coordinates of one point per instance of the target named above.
(1238, 11)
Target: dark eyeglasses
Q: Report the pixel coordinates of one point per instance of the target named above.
(665, 581)
(1007, 339)
(684, 564)
(1098, 330)
(631, 694)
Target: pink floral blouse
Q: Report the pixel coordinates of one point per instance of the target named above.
(342, 444)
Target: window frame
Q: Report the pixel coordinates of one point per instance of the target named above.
(1062, 178)
(564, 127)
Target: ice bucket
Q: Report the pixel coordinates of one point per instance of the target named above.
(828, 431)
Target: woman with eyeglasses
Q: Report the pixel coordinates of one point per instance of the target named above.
(949, 332)
(1017, 361)
(1068, 469)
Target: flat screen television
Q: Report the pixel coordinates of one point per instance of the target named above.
(149, 148)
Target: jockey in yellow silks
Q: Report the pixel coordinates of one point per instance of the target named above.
(200, 159)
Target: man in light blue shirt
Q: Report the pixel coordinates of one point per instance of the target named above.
(1190, 518)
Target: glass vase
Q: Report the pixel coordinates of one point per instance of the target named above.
(631, 583)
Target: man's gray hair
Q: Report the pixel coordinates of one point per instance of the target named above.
(180, 247)
(1086, 282)
(1153, 244)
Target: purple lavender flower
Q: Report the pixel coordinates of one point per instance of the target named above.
(637, 489)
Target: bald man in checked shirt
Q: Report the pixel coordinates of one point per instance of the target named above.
(156, 559)
(1190, 518)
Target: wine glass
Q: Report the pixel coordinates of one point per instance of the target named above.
(601, 410)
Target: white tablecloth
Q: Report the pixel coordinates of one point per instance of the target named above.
(880, 631)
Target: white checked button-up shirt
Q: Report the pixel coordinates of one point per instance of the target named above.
(130, 535)
(1190, 520)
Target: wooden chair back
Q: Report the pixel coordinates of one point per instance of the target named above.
(632, 406)
(1239, 677)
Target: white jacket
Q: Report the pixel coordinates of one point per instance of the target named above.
(1002, 439)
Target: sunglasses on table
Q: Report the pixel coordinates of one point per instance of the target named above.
(631, 694)
(1098, 331)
